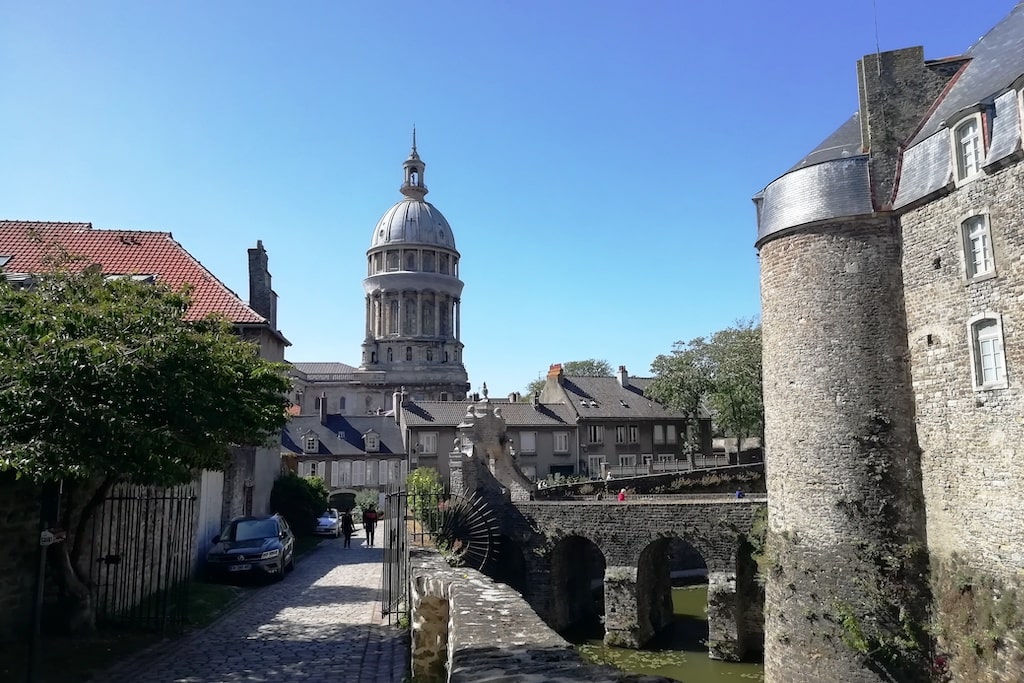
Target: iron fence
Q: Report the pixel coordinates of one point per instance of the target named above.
(463, 529)
(141, 556)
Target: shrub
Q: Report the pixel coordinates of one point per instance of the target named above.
(425, 494)
(300, 501)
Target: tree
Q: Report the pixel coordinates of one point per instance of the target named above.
(300, 501)
(103, 381)
(723, 373)
(591, 367)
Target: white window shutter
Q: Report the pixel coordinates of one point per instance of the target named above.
(334, 474)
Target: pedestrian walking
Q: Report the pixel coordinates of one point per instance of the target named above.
(622, 495)
(369, 522)
(347, 527)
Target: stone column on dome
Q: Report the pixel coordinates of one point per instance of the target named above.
(437, 315)
(368, 313)
(418, 318)
(401, 311)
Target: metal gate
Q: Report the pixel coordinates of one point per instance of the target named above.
(141, 556)
(464, 530)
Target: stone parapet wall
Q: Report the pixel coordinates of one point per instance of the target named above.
(747, 478)
(466, 628)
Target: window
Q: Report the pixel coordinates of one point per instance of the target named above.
(345, 476)
(410, 260)
(664, 459)
(627, 460)
(968, 148)
(634, 434)
(372, 472)
(391, 355)
(561, 442)
(372, 441)
(392, 260)
(310, 443)
(595, 433)
(341, 404)
(986, 333)
(977, 246)
(428, 262)
(358, 473)
(659, 433)
(444, 395)
(430, 354)
(428, 442)
(312, 469)
(408, 353)
(670, 433)
(527, 442)
(444, 263)
(620, 434)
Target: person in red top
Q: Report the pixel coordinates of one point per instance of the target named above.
(369, 522)
(622, 495)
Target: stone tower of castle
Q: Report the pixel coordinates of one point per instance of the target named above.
(848, 561)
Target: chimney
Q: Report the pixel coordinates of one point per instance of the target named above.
(623, 376)
(322, 401)
(555, 372)
(397, 401)
(896, 90)
(536, 399)
(262, 297)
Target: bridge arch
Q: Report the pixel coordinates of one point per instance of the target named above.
(634, 539)
(577, 575)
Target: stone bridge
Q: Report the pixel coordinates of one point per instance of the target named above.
(574, 556)
(581, 559)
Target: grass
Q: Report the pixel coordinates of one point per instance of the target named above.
(64, 659)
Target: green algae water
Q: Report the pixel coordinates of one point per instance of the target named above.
(677, 653)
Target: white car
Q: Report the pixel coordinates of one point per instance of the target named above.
(329, 523)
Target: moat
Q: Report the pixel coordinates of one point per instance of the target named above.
(678, 653)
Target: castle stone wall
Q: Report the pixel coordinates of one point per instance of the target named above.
(846, 522)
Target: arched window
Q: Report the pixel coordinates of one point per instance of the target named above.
(408, 353)
(410, 260)
(986, 335)
(393, 317)
(430, 354)
(978, 253)
(969, 147)
(391, 355)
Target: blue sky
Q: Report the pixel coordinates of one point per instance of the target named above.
(595, 159)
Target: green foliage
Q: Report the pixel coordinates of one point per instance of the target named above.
(367, 498)
(722, 373)
(980, 620)
(591, 367)
(426, 495)
(105, 379)
(300, 500)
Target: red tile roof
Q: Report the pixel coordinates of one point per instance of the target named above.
(32, 244)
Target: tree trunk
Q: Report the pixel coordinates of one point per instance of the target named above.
(79, 609)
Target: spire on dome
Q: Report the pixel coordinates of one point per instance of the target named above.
(413, 187)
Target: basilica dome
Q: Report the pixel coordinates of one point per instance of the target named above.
(413, 221)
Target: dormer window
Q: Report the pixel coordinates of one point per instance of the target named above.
(310, 443)
(968, 148)
(371, 440)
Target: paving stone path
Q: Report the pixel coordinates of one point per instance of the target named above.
(321, 624)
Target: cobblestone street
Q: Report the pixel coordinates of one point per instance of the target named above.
(321, 624)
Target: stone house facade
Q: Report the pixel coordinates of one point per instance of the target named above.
(349, 452)
(620, 429)
(893, 298)
(543, 438)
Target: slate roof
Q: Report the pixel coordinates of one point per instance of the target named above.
(604, 397)
(997, 60)
(123, 252)
(451, 413)
(845, 142)
(350, 429)
(323, 370)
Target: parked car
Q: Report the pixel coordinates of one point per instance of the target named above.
(329, 523)
(252, 546)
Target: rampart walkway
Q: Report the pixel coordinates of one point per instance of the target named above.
(320, 625)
